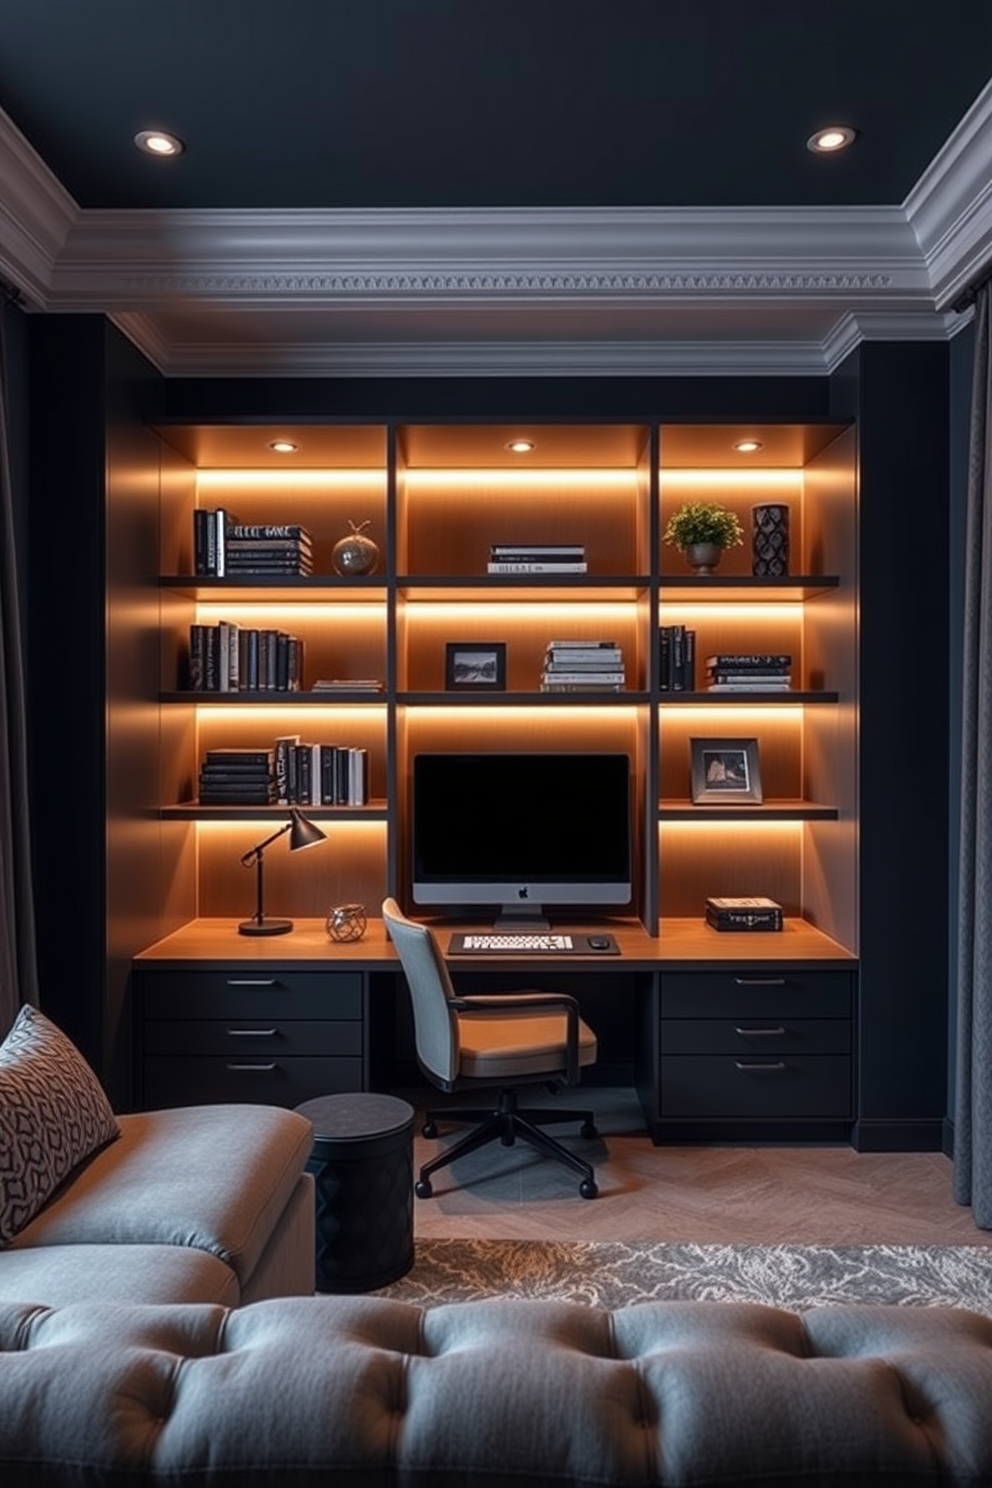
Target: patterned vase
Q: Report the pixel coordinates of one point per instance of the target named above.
(770, 539)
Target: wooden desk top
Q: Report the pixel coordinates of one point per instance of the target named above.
(684, 944)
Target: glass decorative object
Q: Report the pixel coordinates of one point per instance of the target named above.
(346, 922)
(356, 553)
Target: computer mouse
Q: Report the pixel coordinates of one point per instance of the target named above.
(598, 942)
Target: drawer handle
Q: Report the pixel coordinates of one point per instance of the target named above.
(252, 1069)
(251, 982)
(760, 981)
(260, 1032)
(761, 1069)
(760, 1032)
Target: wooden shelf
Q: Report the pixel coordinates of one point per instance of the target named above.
(323, 699)
(735, 699)
(680, 810)
(464, 697)
(194, 811)
(261, 588)
(791, 589)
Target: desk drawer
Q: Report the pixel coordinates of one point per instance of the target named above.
(252, 993)
(744, 1038)
(273, 1081)
(759, 994)
(750, 1088)
(240, 1038)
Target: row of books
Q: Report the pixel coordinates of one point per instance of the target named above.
(749, 671)
(320, 774)
(583, 666)
(223, 547)
(676, 659)
(290, 773)
(537, 558)
(228, 657)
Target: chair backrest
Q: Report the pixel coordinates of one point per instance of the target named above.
(435, 1025)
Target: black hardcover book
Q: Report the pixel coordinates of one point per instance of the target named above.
(282, 752)
(297, 652)
(197, 657)
(751, 913)
(304, 774)
(749, 660)
(254, 531)
(690, 661)
(665, 658)
(328, 766)
(217, 797)
(242, 756)
(201, 521)
(678, 658)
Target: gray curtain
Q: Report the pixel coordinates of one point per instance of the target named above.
(973, 1103)
(18, 974)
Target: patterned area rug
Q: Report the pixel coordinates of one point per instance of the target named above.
(616, 1274)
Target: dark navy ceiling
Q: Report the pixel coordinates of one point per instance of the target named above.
(489, 103)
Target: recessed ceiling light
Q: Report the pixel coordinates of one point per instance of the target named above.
(158, 142)
(521, 446)
(747, 446)
(283, 446)
(827, 141)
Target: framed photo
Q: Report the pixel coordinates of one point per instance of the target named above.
(475, 665)
(725, 772)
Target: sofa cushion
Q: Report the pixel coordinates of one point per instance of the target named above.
(217, 1178)
(53, 1115)
(57, 1275)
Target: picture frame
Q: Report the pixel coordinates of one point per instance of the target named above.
(475, 666)
(725, 772)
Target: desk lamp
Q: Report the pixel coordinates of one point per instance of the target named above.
(303, 833)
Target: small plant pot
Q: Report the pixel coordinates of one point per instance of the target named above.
(703, 558)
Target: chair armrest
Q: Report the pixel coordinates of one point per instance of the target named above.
(532, 1000)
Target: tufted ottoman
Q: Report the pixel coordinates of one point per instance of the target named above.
(362, 1164)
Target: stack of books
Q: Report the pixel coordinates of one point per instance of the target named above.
(268, 548)
(237, 777)
(676, 659)
(583, 666)
(228, 657)
(223, 547)
(320, 774)
(537, 558)
(751, 671)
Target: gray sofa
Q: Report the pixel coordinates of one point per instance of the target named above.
(197, 1204)
(368, 1392)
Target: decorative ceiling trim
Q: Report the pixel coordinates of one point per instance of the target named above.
(950, 207)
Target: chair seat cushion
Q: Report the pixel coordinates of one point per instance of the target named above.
(497, 1046)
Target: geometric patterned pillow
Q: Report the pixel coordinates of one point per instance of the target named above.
(53, 1114)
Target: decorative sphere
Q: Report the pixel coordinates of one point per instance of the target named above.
(356, 553)
(346, 922)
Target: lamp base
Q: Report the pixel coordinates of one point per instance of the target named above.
(264, 927)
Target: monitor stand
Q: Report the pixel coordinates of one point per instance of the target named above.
(522, 917)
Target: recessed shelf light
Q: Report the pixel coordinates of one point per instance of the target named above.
(828, 141)
(521, 446)
(283, 446)
(158, 142)
(747, 446)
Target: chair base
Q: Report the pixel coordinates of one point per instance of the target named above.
(508, 1124)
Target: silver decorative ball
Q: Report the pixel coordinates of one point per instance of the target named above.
(356, 553)
(346, 922)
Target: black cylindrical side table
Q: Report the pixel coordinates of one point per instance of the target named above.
(362, 1162)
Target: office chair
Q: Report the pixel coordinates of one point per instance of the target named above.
(503, 1040)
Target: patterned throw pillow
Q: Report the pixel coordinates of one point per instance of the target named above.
(53, 1114)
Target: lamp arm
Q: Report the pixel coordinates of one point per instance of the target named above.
(254, 854)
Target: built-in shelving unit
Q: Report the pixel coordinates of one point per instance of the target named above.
(436, 496)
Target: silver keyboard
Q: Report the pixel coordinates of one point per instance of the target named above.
(528, 941)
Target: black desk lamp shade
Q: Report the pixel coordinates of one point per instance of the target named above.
(302, 833)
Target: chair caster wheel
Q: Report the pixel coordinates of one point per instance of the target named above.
(422, 1188)
(429, 1129)
(588, 1129)
(588, 1189)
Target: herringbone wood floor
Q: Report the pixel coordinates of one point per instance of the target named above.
(735, 1195)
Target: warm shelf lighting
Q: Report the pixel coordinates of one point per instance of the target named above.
(828, 141)
(560, 476)
(158, 142)
(272, 479)
(521, 446)
(283, 446)
(722, 477)
(747, 446)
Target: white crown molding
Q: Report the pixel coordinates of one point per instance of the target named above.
(137, 260)
(871, 272)
(36, 215)
(950, 207)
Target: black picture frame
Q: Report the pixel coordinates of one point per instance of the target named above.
(475, 666)
(725, 772)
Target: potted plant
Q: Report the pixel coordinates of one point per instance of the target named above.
(701, 530)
